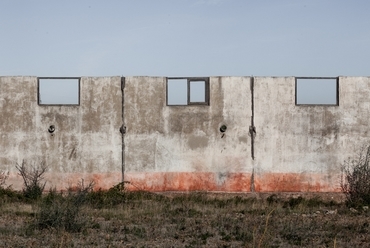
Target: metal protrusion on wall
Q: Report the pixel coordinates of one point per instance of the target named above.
(51, 129)
(223, 128)
(252, 131)
(123, 129)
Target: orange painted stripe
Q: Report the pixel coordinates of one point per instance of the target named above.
(189, 181)
(192, 181)
(231, 182)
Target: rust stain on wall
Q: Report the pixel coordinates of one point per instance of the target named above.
(187, 181)
(295, 182)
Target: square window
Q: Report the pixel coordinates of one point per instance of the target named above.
(58, 91)
(187, 91)
(317, 91)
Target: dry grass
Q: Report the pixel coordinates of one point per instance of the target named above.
(196, 220)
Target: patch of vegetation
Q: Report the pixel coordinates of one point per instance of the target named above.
(293, 202)
(119, 218)
(7, 194)
(107, 199)
(355, 183)
(33, 177)
(62, 212)
(142, 219)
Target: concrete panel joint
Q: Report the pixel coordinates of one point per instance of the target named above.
(252, 128)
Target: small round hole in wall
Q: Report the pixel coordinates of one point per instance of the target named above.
(51, 129)
(223, 128)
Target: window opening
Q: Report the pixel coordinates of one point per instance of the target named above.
(197, 91)
(187, 91)
(58, 91)
(177, 92)
(316, 91)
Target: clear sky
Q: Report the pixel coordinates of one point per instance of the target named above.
(185, 38)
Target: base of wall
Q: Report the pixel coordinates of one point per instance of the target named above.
(64, 181)
(189, 181)
(297, 182)
(231, 182)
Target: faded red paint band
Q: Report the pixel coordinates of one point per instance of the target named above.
(230, 182)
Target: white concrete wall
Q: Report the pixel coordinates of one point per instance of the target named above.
(181, 147)
(296, 148)
(302, 148)
(86, 143)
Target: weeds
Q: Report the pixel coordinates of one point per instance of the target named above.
(265, 229)
(106, 199)
(33, 179)
(61, 212)
(355, 180)
(145, 219)
(3, 177)
(7, 194)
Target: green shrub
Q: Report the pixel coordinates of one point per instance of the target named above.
(355, 181)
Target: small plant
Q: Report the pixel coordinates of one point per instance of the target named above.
(272, 199)
(293, 202)
(7, 193)
(355, 180)
(59, 212)
(63, 212)
(3, 177)
(32, 179)
(103, 199)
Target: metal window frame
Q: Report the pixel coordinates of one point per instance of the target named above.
(62, 104)
(189, 80)
(328, 105)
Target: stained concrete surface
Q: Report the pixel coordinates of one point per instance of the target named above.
(270, 143)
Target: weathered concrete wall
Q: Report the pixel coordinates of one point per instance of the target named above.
(301, 148)
(86, 143)
(181, 147)
(295, 148)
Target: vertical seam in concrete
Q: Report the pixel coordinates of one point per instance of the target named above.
(252, 131)
(123, 128)
(252, 128)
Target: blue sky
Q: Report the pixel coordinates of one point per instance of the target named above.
(185, 38)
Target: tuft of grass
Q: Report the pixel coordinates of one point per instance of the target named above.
(106, 199)
(63, 212)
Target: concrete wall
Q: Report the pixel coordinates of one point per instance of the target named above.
(86, 143)
(270, 143)
(181, 147)
(301, 148)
